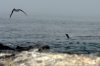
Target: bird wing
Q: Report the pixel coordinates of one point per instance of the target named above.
(23, 11)
(11, 13)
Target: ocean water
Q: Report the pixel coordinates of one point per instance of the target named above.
(51, 30)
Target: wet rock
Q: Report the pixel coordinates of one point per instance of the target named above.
(3, 47)
(19, 48)
(45, 47)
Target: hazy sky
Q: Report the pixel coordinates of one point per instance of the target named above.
(64, 7)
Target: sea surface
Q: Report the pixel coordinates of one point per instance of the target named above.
(84, 32)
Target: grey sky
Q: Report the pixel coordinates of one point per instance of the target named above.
(64, 7)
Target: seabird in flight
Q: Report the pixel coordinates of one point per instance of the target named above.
(67, 36)
(17, 10)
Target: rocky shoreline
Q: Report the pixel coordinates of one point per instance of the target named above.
(35, 58)
(45, 56)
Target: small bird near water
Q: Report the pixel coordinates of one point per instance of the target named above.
(67, 36)
(17, 10)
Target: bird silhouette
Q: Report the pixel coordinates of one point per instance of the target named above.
(17, 10)
(67, 36)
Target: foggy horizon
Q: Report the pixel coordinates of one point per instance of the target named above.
(53, 7)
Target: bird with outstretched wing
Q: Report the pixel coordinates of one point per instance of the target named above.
(17, 10)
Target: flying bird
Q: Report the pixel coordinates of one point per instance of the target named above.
(67, 36)
(17, 10)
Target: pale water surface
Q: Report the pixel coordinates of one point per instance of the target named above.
(84, 32)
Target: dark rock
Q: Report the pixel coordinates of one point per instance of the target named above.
(3, 47)
(19, 48)
(45, 47)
